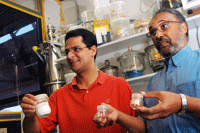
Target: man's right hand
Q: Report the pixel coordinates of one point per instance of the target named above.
(29, 105)
(30, 124)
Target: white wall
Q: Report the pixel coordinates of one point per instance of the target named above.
(193, 41)
(70, 10)
(52, 12)
(135, 8)
(33, 4)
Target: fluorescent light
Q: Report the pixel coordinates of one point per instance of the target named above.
(25, 30)
(5, 38)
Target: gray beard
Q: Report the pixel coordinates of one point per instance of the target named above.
(174, 50)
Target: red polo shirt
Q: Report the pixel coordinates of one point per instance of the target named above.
(73, 107)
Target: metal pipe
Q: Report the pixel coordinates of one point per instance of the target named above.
(35, 49)
(56, 49)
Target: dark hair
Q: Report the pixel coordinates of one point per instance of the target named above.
(176, 13)
(88, 37)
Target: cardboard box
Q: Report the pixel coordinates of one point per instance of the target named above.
(102, 31)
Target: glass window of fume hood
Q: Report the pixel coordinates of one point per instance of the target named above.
(5, 38)
(21, 71)
(23, 30)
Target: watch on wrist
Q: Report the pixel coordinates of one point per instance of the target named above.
(183, 105)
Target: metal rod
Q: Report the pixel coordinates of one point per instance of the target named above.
(16, 73)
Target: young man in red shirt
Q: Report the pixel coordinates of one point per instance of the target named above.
(74, 106)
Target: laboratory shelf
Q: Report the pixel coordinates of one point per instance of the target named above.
(139, 38)
(143, 78)
(116, 45)
(122, 43)
(132, 40)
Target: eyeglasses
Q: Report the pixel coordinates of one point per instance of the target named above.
(161, 27)
(74, 50)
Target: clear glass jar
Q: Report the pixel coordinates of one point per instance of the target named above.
(102, 112)
(111, 70)
(42, 108)
(120, 27)
(88, 18)
(137, 100)
(132, 63)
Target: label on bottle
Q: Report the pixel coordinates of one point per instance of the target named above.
(43, 109)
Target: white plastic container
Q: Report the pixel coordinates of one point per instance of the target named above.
(69, 77)
(42, 108)
(98, 3)
(117, 9)
(101, 12)
(120, 28)
(115, 0)
(88, 18)
(87, 15)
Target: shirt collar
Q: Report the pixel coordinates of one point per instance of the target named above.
(100, 80)
(177, 58)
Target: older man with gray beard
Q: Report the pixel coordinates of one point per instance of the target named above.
(172, 97)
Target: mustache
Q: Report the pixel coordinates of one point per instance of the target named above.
(161, 39)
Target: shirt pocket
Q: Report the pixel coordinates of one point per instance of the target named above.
(189, 88)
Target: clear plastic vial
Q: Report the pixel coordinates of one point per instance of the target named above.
(102, 111)
(42, 108)
(137, 100)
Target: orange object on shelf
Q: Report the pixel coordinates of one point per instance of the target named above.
(156, 56)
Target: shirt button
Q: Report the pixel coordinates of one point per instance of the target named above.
(87, 91)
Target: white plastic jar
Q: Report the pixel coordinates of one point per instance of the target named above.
(102, 112)
(42, 108)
